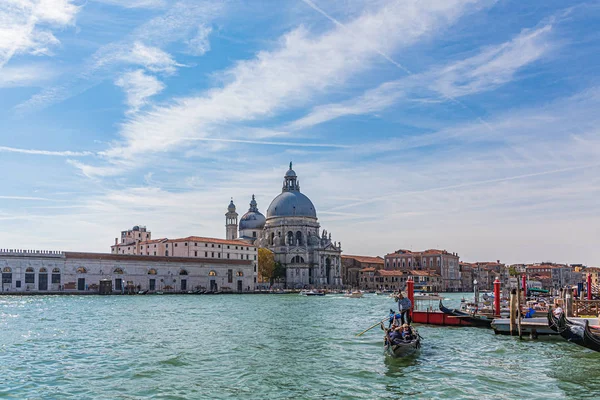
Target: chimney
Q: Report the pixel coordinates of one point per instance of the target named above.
(116, 241)
(498, 261)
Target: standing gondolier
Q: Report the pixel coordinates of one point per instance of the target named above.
(404, 307)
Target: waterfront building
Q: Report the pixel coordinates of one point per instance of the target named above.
(292, 232)
(191, 246)
(381, 279)
(352, 265)
(45, 271)
(553, 275)
(444, 263)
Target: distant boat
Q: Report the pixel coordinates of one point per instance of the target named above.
(311, 293)
(142, 292)
(355, 295)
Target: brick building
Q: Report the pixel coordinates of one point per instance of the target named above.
(352, 265)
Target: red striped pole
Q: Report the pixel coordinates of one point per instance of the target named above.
(497, 296)
(589, 286)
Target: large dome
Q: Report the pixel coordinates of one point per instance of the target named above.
(291, 204)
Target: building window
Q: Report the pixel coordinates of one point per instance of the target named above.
(166, 253)
(212, 273)
(205, 244)
(219, 246)
(227, 246)
(195, 253)
(186, 243)
(29, 275)
(253, 234)
(183, 272)
(118, 271)
(239, 273)
(219, 254)
(229, 276)
(175, 244)
(55, 275)
(196, 244)
(154, 253)
(255, 257)
(212, 245)
(212, 254)
(152, 271)
(227, 255)
(81, 270)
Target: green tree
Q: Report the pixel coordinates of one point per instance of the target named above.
(278, 272)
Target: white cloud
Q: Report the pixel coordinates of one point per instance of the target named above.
(492, 67)
(143, 47)
(26, 75)
(67, 153)
(151, 58)
(199, 44)
(135, 3)
(26, 25)
(301, 66)
(138, 87)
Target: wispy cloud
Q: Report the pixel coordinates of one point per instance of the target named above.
(199, 44)
(492, 67)
(144, 46)
(26, 75)
(301, 66)
(26, 26)
(46, 152)
(138, 87)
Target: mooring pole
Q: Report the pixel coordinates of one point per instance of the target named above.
(589, 286)
(497, 296)
(410, 289)
(513, 310)
(524, 285)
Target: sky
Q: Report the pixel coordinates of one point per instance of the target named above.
(470, 126)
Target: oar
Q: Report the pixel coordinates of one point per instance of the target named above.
(374, 325)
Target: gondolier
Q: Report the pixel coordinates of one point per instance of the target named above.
(404, 307)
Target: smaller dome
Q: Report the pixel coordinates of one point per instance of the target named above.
(290, 172)
(231, 207)
(136, 228)
(253, 219)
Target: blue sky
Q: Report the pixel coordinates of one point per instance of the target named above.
(470, 126)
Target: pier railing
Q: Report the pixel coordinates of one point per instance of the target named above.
(586, 307)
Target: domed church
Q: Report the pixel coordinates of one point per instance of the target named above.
(291, 231)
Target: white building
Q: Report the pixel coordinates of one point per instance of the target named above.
(43, 271)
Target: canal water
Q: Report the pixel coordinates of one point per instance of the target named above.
(265, 347)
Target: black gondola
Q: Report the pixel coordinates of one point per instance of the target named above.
(591, 340)
(572, 331)
(475, 320)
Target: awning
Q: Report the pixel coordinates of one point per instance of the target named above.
(537, 290)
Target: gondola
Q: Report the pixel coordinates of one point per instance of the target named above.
(591, 340)
(569, 330)
(401, 349)
(578, 332)
(475, 320)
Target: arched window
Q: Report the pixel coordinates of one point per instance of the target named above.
(29, 270)
(43, 270)
(212, 273)
(166, 253)
(118, 271)
(290, 238)
(151, 271)
(272, 238)
(298, 260)
(299, 238)
(239, 273)
(81, 270)
(56, 271)
(6, 269)
(183, 272)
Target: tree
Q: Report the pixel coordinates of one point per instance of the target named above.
(278, 272)
(266, 265)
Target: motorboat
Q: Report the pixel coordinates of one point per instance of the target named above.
(355, 295)
(311, 293)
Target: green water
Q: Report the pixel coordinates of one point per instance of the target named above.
(264, 347)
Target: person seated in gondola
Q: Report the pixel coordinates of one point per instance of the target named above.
(407, 333)
(395, 335)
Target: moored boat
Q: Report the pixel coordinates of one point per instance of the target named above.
(473, 319)
(311, 293)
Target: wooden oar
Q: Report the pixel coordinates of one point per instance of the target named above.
(374, 325)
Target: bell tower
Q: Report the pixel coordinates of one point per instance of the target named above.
(231, 222)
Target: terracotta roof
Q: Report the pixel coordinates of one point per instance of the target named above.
(132, 257)
(385, 272)
(368, 270)
(401, 251)
(144, 242)
(423, 273)
(366, 259)
(212, 240)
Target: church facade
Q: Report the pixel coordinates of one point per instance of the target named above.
(292, 232)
